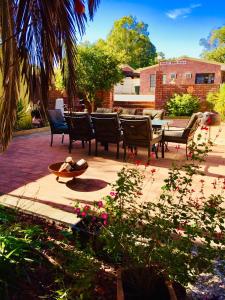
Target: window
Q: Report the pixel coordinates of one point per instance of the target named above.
(137, 89)
(164, 78)
(173, 76)
(152, 82)
(204, 78)
(188, 75)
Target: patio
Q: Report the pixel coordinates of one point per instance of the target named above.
(26, 183)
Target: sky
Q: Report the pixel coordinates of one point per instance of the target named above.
(175, 27)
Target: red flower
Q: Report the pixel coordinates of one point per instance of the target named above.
(153, 171)
(209, 121)
(100, 204)
(87, 208)
(204, 128)
(138, 162)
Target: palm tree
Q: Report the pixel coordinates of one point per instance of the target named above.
(35, 35)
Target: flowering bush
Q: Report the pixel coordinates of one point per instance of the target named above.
(181, 233)
(93, 213)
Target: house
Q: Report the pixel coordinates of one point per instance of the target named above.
(160, 82)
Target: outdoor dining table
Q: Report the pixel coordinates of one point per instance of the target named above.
(160, 124)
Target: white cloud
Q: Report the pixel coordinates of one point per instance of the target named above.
(182, 12)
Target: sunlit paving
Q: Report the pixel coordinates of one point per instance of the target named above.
(112, 160)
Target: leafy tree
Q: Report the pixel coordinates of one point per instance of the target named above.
(129, 42)
(160, 55)
(35, 36)
(96, 71)
(215, 45)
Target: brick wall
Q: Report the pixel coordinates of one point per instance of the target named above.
(199, 90)
(105, 96)
(189, 66)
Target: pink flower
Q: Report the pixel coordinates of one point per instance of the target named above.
(77, 210)
(105, 222)
(113, 194)
(83, 214)
(104, 216)
(100, 204)
(93, 218)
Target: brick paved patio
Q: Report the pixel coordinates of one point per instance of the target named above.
(26, 183)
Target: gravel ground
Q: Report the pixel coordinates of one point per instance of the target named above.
(210, 286)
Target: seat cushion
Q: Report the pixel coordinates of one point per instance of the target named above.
(174, 136)
(61, 126)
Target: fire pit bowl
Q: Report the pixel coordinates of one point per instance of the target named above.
(54, 168)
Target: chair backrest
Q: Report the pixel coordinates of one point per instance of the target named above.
(105, 115)
(104, 110)
(106, 129)
(154, 113)
(79, 126)
(128, 111)
(55, 118)
(192, 126)
(59, 104)
(136, 131)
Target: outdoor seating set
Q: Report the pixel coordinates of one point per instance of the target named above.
(132, 130)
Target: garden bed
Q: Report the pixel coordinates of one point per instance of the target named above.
(40, 259)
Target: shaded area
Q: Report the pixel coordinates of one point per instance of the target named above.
(86, 184)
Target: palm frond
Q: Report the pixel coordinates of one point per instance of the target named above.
(37, 35)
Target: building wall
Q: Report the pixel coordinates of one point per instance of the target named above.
(164, 92)
(128, 86)
(181, 67)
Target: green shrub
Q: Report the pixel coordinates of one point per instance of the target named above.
(216, 101)
(24, 122)
(183, 105)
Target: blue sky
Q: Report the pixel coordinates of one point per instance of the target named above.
(175, 27)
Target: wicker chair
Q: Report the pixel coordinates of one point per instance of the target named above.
(182, 136)
(80, 129)
(57, 123)
(138, 132)
(107, 130)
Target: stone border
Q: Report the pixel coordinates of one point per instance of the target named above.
(30, 131)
